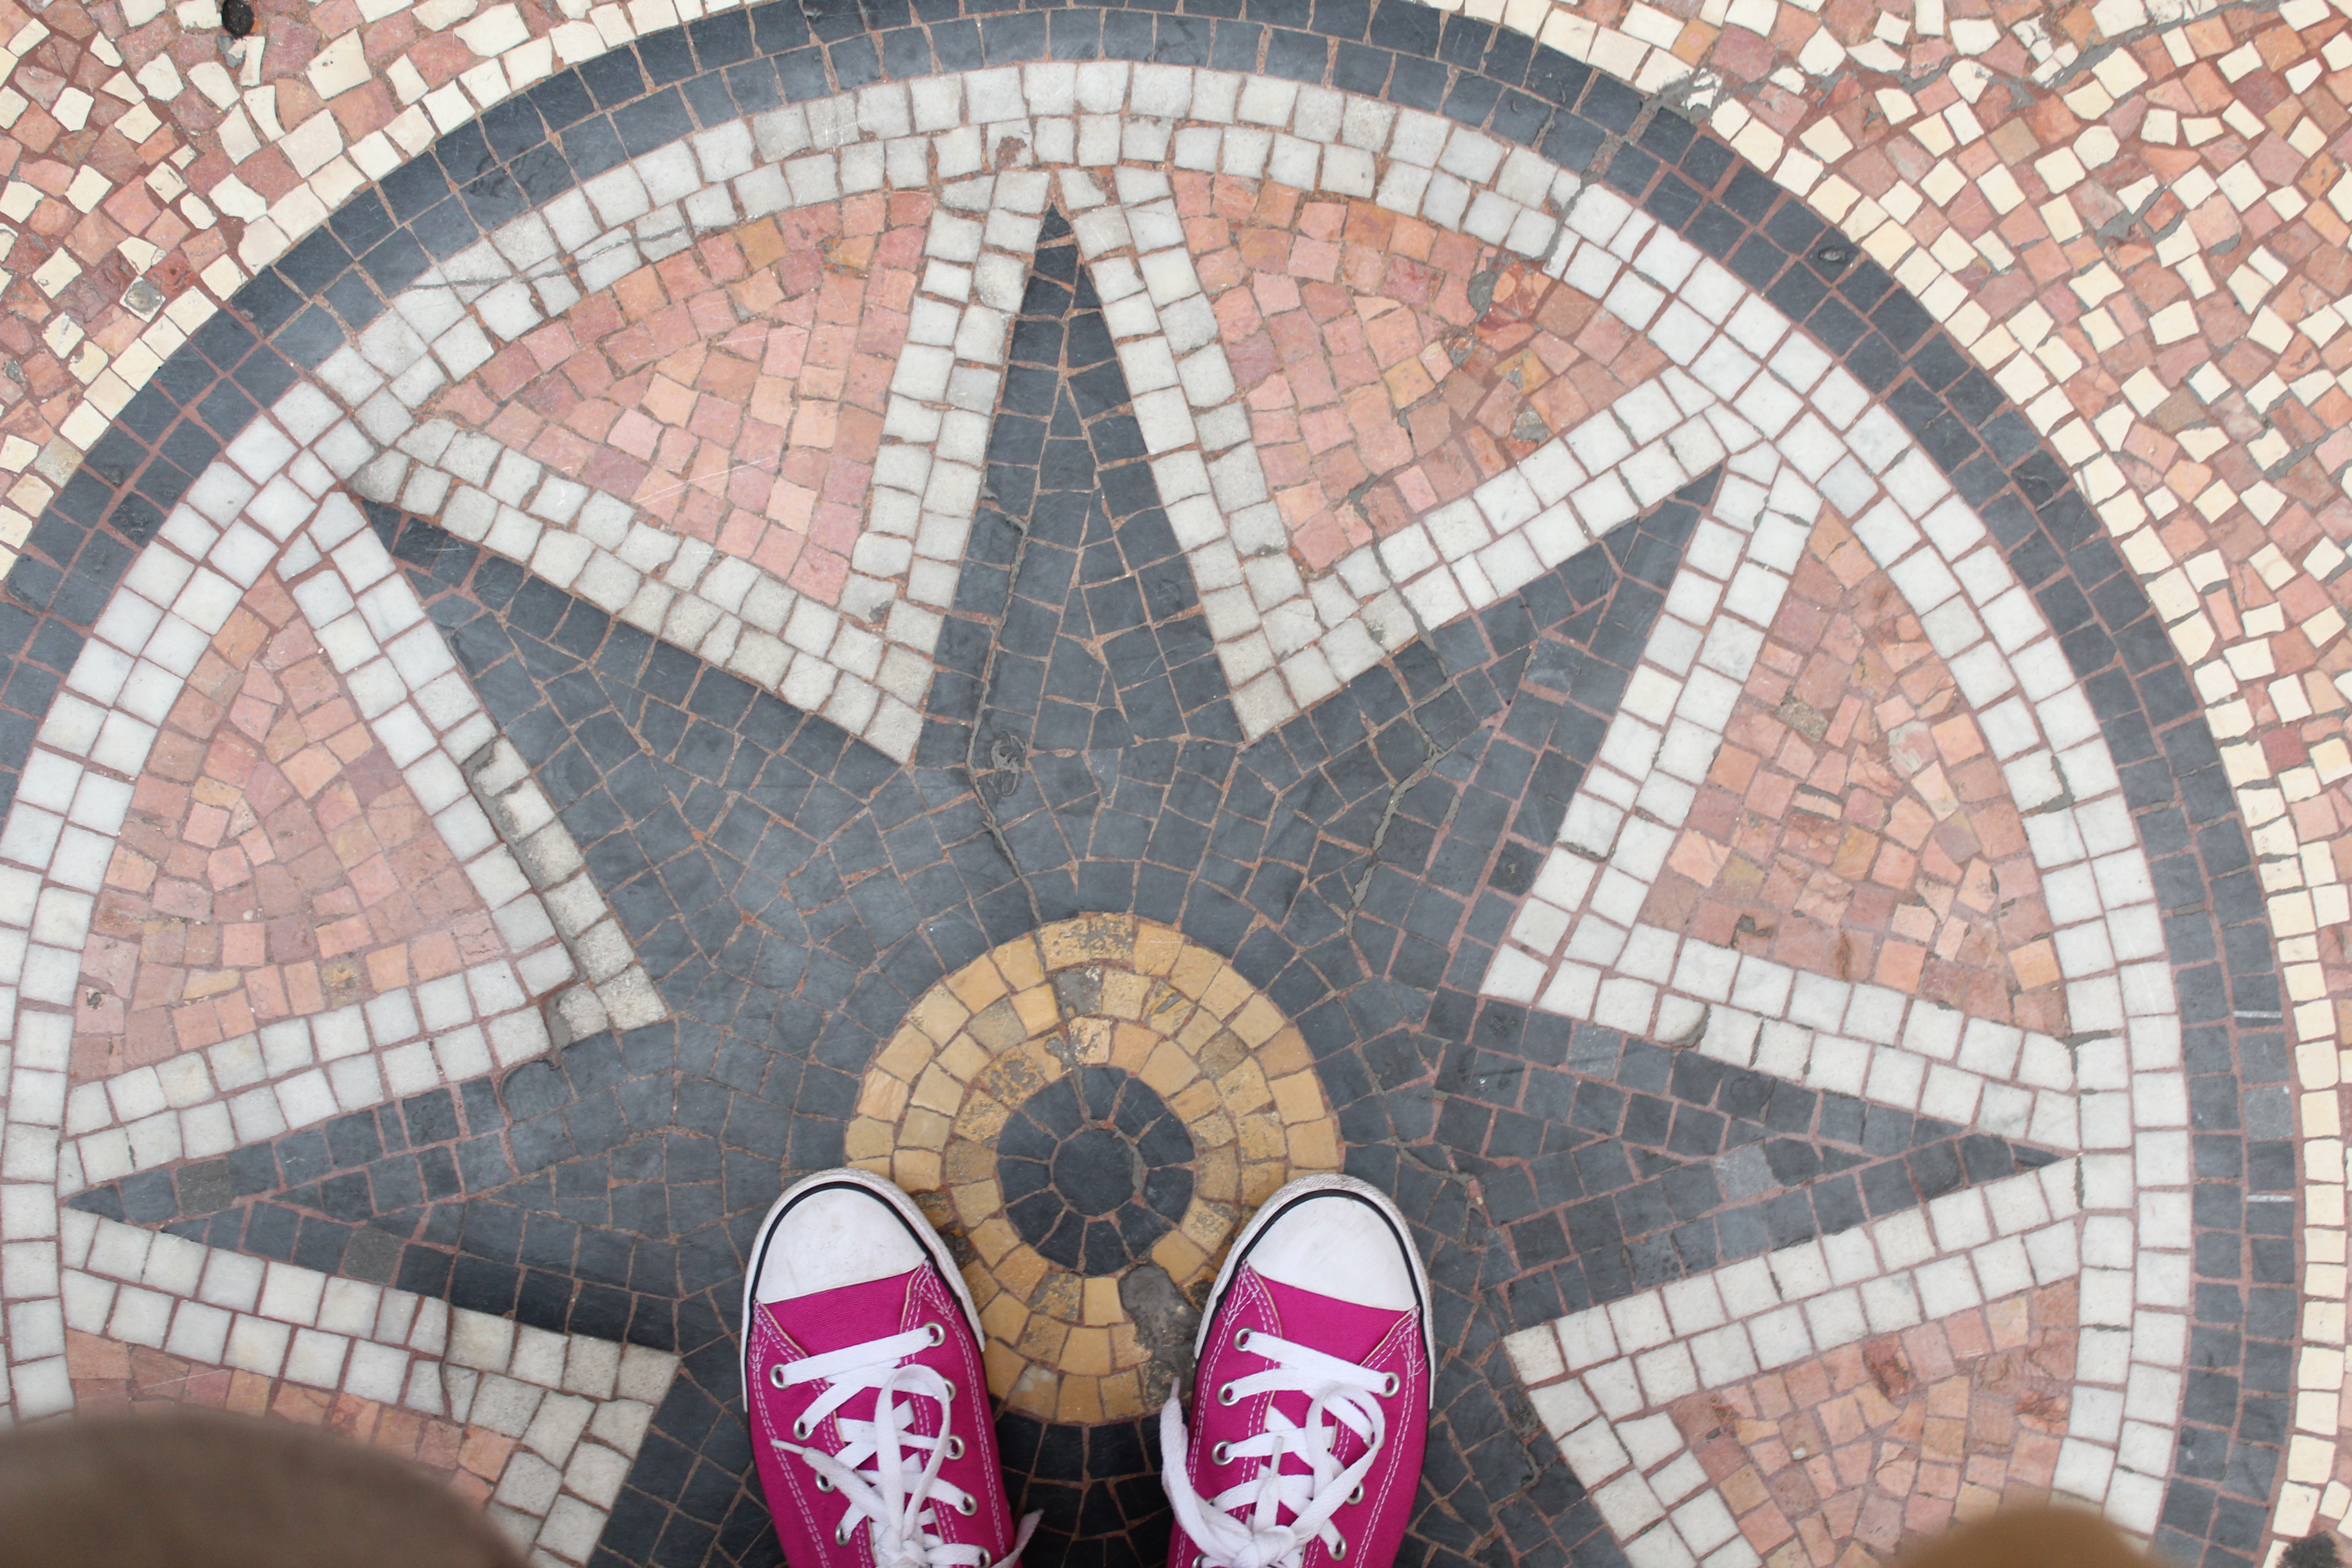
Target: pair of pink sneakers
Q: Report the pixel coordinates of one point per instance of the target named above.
(869, 1411)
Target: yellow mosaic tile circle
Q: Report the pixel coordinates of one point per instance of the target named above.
(1102, 990)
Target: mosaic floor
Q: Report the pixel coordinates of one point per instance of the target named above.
(1706, 638)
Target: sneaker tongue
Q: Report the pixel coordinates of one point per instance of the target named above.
(846, 1315)
(1347, 1330)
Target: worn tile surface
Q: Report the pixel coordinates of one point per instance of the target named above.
(1709, 645)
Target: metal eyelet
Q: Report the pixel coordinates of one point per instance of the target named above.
(1241, 1339)
(966, 1506)
(1225, 1395)
(936, 1334)
(800, 1430)
(823, 1484)
(841, 1533)
(955, 1448)
(1199, 1561)
(776, 1375)
(951, 1398)
(1388, 1382)
(1357, 1496)
(1222, 1454)
(1340, 1549)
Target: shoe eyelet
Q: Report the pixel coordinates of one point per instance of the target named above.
(823, 1484)
(1200, 1560)
(1389, 1384)
(951, 1398)
(841, 1533)
(955, 1448)
(800, 1430)
(1357, 1496)
(1222, 1454)
(1340, 1549)
(966, 1506)
(776, 1375)
(1241, 1339)
(1225, 1395)
(935, 1334)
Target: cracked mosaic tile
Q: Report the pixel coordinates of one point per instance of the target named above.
(1361, 799)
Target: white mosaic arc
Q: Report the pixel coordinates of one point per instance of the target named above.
(1603, 1380)
(1579, 947)
(271, 500)
(577, 1406)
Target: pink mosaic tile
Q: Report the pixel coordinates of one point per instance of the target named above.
(1390, 366)
(1854, 823)
(734, 391)
(274, 863)
(1841, 1460)
(111, 1374)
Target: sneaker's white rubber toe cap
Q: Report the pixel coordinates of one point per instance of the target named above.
(835, 1237)
(1337, 1244)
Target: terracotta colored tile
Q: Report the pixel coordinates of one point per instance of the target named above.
(267, 866)
(1829, 835)
(1935, 1422)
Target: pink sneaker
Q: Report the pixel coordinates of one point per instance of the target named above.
(863, 1382)
(1311, 1404)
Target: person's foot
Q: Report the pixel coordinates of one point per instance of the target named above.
(1310, 1406)
(863, 1382)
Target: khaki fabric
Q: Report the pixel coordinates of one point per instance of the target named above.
(2029, 1538)
(181, 1488)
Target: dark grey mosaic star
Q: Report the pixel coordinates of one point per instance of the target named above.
(793, 892)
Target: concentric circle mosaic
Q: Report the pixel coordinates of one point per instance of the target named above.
(1767, 697)
(1101, 1098)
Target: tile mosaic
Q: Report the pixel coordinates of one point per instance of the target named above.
(1856, 822)
(540, 1428)
(1357, 827)
(1860, 1450)
(273, 864)
(733, 395)
(1379, 386)
(1019, 1103)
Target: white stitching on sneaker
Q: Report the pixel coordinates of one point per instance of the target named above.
(1227, 1535)
(896, 1506)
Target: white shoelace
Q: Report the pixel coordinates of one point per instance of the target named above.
(1244, 1526)
(872, 1472)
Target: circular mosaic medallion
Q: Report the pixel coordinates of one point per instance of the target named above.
(1081, 1111)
